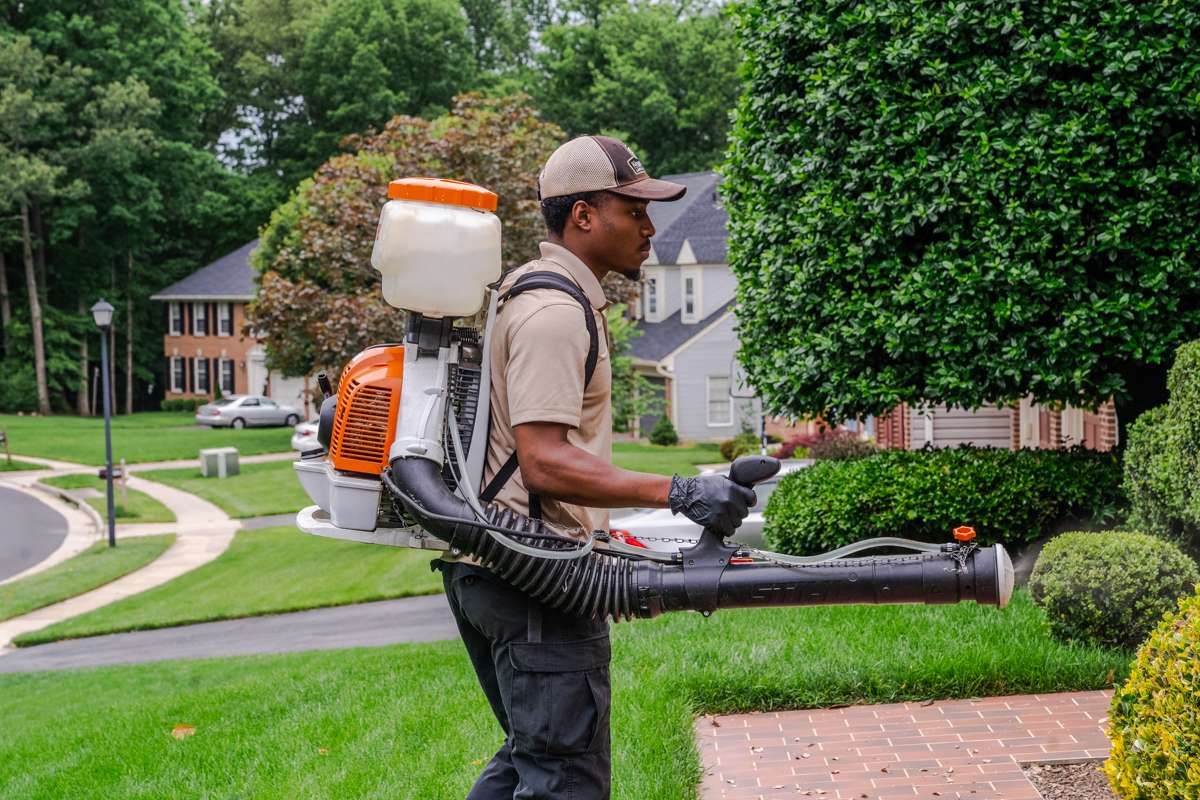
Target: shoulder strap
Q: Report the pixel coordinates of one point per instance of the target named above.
(546, 280)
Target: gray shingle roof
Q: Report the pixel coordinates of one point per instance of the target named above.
(230, 277)
(660, 339)
(699, 219)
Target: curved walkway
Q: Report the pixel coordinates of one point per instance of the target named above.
(202, 532)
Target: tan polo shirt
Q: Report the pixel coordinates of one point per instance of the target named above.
(539, 349)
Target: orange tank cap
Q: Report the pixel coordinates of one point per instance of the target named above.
(964, 533)
(443, 190)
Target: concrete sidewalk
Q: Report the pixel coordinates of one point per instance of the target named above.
(916, 751)
(203, 531)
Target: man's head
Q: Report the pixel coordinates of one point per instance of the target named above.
(594, 193)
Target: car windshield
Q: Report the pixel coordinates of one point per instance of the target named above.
(224, 401)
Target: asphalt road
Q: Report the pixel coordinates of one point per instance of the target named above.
(409, 619)
(30, 530)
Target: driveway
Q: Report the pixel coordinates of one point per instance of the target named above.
(30, 530)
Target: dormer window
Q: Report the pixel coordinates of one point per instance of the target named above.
(690, 306)
(651, 298)
(654, 303)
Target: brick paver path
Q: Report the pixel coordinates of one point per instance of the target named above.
(946, 749)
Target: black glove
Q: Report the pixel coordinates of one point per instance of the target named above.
(711, 501)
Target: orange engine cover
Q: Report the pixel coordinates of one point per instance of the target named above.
(368, 399)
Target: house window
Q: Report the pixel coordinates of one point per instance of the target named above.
(225, 319)
(201, 376)
(651, 298)
(226, 377)
(689, 297)
(199, 319)
(720, 404)
(178, 373)
(176, 318)
(691, 289)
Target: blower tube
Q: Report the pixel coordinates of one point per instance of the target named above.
(705, 578)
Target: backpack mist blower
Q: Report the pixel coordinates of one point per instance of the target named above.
(403, 445)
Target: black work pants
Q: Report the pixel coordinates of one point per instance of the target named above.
(545, 675)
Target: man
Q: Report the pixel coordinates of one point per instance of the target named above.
(545, 673)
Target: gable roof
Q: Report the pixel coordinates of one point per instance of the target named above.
(660, 339)
(700, 220)
(230, 277)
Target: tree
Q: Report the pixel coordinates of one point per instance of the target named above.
(964, 203)
(632, 395)
(662, 76)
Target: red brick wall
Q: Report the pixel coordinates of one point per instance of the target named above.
(210, 347)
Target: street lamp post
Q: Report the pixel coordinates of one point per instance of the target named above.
(102, 313)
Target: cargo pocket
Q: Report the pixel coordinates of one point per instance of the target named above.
(560, 696)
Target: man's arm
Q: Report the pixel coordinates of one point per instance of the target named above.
(552, 466)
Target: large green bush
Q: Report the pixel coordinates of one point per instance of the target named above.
(1162, 458)
(963, 202)
(664, 432)
(1112, 588)
(1008, 496)
(1154, 724)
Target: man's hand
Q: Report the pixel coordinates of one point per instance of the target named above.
(711, 501)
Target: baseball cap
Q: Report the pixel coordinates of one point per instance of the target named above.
(601, 163)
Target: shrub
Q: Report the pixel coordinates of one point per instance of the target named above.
(664, 432)
(740, 445)
(1008, 496)
(1162, 458)
(1111, 588)
(183, 403)
(828, 444)
(1154, 725)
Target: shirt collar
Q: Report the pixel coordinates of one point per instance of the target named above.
(578, 271)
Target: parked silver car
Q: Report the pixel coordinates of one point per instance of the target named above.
(659, 529)
(242, 410)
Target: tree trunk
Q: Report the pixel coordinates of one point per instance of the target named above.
(39, 230)
(82, 406)
(1146, 385)
(129, 334)
(5, 308)
(35, 315)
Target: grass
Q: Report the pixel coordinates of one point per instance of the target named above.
(680, 459)
(146, 436)
(351, 724)
(139, 507)
(15, 465)
(94, 567)
(267, 571)
(258, 490)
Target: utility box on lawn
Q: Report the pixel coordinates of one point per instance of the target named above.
(219, 462)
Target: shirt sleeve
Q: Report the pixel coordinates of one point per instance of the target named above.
(547, 355)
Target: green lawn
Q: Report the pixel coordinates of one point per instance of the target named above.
(146, 436)
(94, 567)
(266, 571)
(15, 465)
(140, 507)
(680, 459)
(257, 491)
(409, 722)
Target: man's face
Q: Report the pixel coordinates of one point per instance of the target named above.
(621, 234)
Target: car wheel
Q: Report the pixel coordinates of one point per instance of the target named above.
(238, 423)
(292, 420)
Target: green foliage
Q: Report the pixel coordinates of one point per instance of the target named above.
(1011, 497)
(658, 75)
(740, 445)
(1109, 589)
(1153, 725)
(186, 404)
(632, 395)
(664, 433)
(1162, 458)
(963, 203)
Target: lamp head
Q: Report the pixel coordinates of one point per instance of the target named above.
(102, 313)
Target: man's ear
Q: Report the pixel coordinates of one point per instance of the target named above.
(582, 215)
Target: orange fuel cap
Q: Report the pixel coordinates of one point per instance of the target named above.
(964, 533)
(443, 190)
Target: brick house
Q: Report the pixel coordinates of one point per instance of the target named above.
(205, 348)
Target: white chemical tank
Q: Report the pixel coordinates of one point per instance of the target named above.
(437, 246)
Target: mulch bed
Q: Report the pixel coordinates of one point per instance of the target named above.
(1083, 780)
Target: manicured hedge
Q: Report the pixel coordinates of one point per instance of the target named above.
(1008, 496)
(1111, 588)
(1154, 724)
(184, 403)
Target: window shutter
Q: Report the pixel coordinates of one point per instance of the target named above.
(186, 310)
(189, 380)
(168, 374)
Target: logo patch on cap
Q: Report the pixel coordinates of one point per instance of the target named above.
(635, 164)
